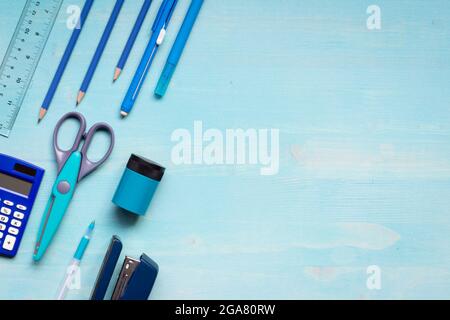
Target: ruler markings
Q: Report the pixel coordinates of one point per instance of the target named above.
(22, 56)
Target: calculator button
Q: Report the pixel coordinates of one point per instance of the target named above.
(4, 219)
(18, 215)
(16, 223)
(9, 242)
(21, 207)
(5, 210)
(8, 203)
(1, 235)
(2, 227)
(13, 231)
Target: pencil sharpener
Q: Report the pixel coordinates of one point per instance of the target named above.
(138, 185)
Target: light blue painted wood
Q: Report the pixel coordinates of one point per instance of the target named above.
(364, 152)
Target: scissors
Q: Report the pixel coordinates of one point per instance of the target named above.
(73, 166)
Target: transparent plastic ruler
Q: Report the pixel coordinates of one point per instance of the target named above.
(22, 57)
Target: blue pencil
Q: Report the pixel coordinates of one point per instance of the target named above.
(100, 48)
(65, 60)
(132, 39)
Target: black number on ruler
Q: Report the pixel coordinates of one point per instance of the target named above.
(19, 64)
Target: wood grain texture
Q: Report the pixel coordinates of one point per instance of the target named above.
(364, 152)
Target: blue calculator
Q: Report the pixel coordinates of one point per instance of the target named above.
(19, 185)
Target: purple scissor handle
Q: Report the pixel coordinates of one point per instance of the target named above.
(62, 156)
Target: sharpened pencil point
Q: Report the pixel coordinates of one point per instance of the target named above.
(117, 74)
(80, 97)
(42, 113)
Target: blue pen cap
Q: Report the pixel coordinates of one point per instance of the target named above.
(164, 80)
(138, 185)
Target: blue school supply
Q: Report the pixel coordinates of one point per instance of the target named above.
(136, 278)
(22, 57)
(107, 269)
(65, 59)
(138, 185)
(73, 166)
(98, 53)
(178, 47)
(132, 39)
(158, 33)
(74, 265)
(138, 283)
(19, 185)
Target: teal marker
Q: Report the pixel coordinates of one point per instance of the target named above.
(74, 266)
(178, 47)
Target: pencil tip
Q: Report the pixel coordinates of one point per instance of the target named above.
(42, 113)
(117, 74)
(123, 114)
(80, 97)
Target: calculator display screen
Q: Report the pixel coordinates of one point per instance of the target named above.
(10, 183)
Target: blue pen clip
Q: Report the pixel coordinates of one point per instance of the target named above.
(160, 26)
(158, 16)
(172, 9)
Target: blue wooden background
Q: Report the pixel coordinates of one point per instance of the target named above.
(364, 119)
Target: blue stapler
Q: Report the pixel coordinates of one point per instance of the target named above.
(136, 278)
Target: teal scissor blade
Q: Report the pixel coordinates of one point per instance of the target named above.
(58, 203)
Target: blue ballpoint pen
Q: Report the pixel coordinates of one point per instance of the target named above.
(65, 59)
(158, 32)
(178, 47)
(75, 263)
(132, 38)
(99, 51)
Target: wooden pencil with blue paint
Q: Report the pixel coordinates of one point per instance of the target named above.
(132, 39)
(100, 49)
(65, 60)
